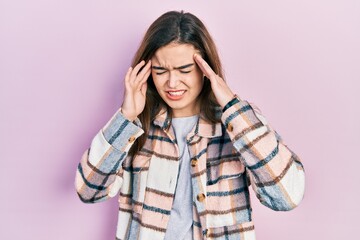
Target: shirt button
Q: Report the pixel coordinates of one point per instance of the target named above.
(230, 127)
(206, 233)
(131, 139)
(194, 162)
(200, 197)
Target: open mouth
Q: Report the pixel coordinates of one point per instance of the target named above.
(176, 93)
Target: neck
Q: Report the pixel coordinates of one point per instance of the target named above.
(185, 112)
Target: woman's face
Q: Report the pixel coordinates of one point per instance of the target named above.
(177, 78)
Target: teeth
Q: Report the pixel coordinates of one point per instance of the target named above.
(179, 93)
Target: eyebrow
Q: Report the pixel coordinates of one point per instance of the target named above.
(181, 67)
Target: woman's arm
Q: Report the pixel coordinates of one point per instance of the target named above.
(276, 173)
(98, 176)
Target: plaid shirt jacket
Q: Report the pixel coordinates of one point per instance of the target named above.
(226, 158)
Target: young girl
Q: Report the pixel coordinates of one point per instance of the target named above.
(183, 149)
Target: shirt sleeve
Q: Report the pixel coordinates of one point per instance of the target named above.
(275, 172)
(98, 176)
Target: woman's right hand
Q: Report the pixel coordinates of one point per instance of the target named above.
(135, 90)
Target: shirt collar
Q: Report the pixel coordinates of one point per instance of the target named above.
(203, 128)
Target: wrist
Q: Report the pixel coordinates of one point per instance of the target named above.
(131, 119)
(231, 102)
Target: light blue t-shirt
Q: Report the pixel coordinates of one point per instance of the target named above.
(181, 216)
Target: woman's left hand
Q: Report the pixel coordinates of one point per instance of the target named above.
(219, 87)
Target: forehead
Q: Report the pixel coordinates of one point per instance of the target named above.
(174, 54)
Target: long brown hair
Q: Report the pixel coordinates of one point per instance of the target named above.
(181, 28)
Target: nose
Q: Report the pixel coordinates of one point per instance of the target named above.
(173, 79)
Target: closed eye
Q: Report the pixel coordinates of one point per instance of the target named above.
(159, 73)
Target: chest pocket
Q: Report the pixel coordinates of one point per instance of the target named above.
(223, 169)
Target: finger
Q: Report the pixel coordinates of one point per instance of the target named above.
(204, 66)
(144, 71)
(134, 73)
(127, 76)
(145, 77)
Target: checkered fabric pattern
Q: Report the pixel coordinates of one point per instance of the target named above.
(226, 158)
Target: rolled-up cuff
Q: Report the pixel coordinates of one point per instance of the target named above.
(122, 133)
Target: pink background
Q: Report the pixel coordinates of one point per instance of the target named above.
(61, 70)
